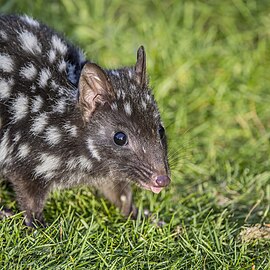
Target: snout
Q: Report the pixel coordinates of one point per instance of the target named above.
(163, 181)
(157, 183)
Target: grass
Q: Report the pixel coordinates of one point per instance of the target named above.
(209, 64)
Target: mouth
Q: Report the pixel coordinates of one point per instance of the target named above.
(154, 189)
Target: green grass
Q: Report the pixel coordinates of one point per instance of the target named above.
(209, 64)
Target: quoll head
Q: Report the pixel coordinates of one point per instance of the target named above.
(123, 126)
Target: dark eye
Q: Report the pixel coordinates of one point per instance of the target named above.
(120, 138)
(161, 132)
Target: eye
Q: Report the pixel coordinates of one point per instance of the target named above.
(120, 138)
(161, 132)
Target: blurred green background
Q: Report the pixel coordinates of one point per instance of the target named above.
(209, 64)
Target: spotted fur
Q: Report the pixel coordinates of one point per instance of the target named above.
(59, 114)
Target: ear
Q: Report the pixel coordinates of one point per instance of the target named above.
(94, 89)
(140, 67)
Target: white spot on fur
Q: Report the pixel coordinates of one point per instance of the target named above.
(20, 107)
(62, 66)
(115, 73)
(4, 147)
(59, 45)
(17, 137)
(28, 71)
(39, 123)
(29, 42)
(44, 76)
(148, 98)
(143, 149)
(156, 115)
(60, 106)
(79, 162)
(30, 21)
(92, 149)
(52, 56)
(102, 131)
(84, 163)
(53, 135)
(6, 63)
(54, 85)
(114, 106)
(143, 104)
(72, 130)
(72, 163)
(123, 94)
(37, 103)
(5, 88)
(130, 74)
(48, 165)
(3, 35)
(33, 88)
(23, 150)
(63, 91)
(127, 108)
(118, 94)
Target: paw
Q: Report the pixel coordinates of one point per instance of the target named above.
(35, 222)
(4, 213)
(149, 215)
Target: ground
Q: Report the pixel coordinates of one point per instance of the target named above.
(209, 64)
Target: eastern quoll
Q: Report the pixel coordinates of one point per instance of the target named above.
(65, 121)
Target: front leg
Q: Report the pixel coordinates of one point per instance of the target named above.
(31, 198)
(120, 194)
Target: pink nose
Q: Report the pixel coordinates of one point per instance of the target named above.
(163, 180)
